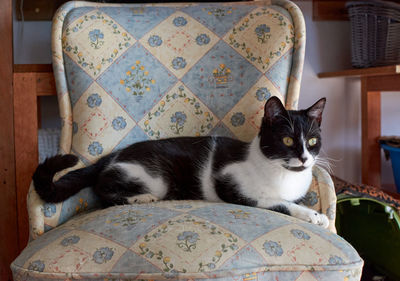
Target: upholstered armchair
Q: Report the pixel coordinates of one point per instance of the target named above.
(127, 73)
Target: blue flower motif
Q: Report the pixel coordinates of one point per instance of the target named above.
(95, 148)
(149, 255)
(114, 26)
(103, 255)
(178, 63)
(335, 260)
(75, 29)
(70, 240)
(37, 265)
(299, 234)
(238, 119)
(68, 48)
(189, 236)
(171, 274)
(202, 39)
(95, 35)
(211, 265)
(179, 117)
(310, 199)
(263, 94)
(181, 88)
(84, 64)
(157, 113)
(119, 123)
(179, 21)
(330, 212)
(49, 209)
(155, 41)
(174, 96)
(197, 105)
(94, 100)
(110, 60)
(74, 128)
(273, 248)
(262, 29)
(92, 17)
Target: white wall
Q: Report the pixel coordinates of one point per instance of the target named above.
(328, 49)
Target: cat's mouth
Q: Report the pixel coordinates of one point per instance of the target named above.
(294, 168)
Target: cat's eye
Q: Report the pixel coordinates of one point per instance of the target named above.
(288, 141)
(312, 141)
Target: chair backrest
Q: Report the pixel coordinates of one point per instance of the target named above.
(130, 72)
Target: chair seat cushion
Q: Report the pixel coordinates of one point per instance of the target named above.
(187, 240)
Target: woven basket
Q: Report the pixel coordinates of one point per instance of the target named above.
(375, 33)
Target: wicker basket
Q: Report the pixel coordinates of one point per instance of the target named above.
(375, 32)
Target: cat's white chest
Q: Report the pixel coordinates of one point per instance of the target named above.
(264, 182)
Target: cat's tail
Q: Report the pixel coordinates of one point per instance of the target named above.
(69, 184)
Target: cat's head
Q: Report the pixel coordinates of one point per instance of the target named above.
(292, 137)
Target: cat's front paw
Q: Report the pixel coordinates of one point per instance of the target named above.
(142, 198)
(317, 218)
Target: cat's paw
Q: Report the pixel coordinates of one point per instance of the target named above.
(142, 198)
(317, 218)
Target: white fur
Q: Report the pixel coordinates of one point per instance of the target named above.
(142, 198)
(206, 178)
(155, 185)
(262, 178)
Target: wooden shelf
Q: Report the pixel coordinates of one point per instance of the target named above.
(360, 72)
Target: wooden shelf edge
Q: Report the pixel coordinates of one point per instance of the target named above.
(359, 72)
(23, 68)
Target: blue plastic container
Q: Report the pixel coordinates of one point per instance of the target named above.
(395, 157)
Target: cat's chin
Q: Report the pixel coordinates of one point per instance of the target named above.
(295, 168)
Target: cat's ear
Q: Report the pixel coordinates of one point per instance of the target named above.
(315, 111)
(273, 108)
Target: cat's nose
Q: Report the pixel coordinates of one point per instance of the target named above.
(303, 159)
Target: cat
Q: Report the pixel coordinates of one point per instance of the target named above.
(274, 171)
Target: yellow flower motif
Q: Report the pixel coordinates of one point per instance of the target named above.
(218, 253)
(206, 114)
(142, 245)
(64, 38)
(197, 134)
(215, 71)
(80, 54)
(104, 21)
(163, 226)
(138, 62)
(146, 122)
(229, 12)
(115, 51)
(186, 100)
(122, 82)
(133, 67)
(227, 235)
(153, 81)
(81, 20)
(124, 34)
(128, 89)
(248, 50)
(267, 60)
(146, 73)
(98, 66)
(283, 44)
(147, 89)
(162, 103)
(228, 70)
(167, 259)
(80, 200)
(222, 66)
(231, 36)
(128, 73)
(209, 13)
(142, 67)
(246, 19)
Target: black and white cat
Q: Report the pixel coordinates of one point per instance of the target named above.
(274, 171)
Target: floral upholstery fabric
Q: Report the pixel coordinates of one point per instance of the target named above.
(126, 73)
(190, 240)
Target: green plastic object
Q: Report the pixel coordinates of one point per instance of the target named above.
(373, 228)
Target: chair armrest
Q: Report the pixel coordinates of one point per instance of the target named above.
(321, 196)
(45, 216)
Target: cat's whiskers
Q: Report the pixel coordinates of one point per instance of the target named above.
(324, 163)
(289, 120)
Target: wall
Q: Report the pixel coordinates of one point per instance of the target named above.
(328, 49)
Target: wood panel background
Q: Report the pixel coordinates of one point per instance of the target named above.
(8, 214)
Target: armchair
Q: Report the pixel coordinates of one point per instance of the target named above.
(123, 72)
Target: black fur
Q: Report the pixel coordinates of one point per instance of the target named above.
(178, 161)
